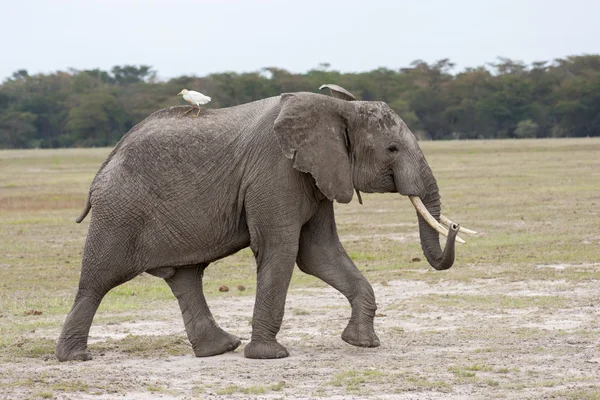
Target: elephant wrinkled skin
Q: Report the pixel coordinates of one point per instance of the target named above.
(177, 193)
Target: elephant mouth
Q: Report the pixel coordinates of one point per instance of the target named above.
(431, 221)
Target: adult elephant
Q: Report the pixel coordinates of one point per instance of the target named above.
(179, 192)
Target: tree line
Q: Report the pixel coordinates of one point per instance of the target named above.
(504, 99)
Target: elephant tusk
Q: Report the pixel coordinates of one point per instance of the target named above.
(445, 221)
(422, 210)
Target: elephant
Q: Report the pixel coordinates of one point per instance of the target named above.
(178, 192)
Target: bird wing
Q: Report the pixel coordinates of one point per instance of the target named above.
(187, 97)
(202, 99)
(196, 98)
(338, 91)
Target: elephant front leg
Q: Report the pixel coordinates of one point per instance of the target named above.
(206, 337)
(275, 267)
(321, 254)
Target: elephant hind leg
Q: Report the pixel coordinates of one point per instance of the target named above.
(206, 337)
(72, 342)
(108, 261)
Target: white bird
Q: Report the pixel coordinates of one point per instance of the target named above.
(194, 98)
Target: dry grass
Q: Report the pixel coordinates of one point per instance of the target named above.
(535, 203)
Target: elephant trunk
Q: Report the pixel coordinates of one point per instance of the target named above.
(428, 207)
(430, 242)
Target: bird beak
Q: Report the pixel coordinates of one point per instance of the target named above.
(180, 93)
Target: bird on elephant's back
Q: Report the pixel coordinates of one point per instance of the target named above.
(195, 99)
(178, 193)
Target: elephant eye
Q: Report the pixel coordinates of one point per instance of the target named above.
(393, 148)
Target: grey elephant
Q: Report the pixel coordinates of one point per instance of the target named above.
(177, 193)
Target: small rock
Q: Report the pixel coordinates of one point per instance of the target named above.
(223, 288)
(241, 288)
(415, 259)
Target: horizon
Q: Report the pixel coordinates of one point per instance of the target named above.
(321, 67)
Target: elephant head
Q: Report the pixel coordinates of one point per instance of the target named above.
(349, 145)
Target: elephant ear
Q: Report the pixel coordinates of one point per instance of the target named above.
(311, 130)
(338, 92)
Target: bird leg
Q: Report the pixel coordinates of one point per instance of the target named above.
(191, 109)
(197, 115)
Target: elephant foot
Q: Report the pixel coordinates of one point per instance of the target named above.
(74, 355)
(218, 342)
(264, 350)
(360, 335)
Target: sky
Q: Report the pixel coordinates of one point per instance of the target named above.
(199, 37)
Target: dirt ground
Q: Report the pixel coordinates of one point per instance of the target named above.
(511, 348)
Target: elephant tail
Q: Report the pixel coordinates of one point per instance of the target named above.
(86, 209)
(88, 201)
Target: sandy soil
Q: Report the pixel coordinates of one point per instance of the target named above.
(428, 350)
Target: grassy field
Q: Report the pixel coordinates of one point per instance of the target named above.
(535, 203)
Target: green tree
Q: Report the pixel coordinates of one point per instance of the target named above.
(429, 100)
(17, 130)
(506, 98)
(578, 105)
(128, 74)
(508, 103)
(94, 121)
(526, 129)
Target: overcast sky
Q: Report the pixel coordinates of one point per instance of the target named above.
(197, 37)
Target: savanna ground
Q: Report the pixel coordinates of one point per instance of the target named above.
(518, 316)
